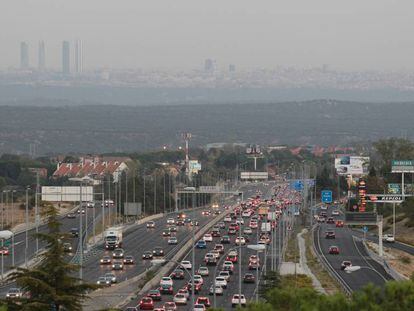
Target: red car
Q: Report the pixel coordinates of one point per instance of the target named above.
(154, 294)
(4, 250)
(177, 274)
(339, 223)
(197, 287)
(232, 258)
(146, 303)
(203, 301)
(334, 250)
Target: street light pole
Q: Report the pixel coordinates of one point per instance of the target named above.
(12, 203)
(27, 226)
(80, 234)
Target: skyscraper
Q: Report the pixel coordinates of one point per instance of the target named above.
(209, 65)
(24, 55)
(65, 58)
(78, 56)
(42, 56)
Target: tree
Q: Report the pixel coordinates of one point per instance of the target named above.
(51, 284)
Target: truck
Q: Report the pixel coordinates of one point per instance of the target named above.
(266, 227)
(113, 238)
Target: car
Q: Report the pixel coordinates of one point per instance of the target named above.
(253, 258)
(389, 238)
(239, 221)
(232, 252)
(324, 207)
(253, 224)
(236, 300)
(240, 240)
(345, 263)
(151, 225)
(203, 271)
(70, 215)
(208, 237)
(210, 259)
(218, 290)
(199, 307)
(232, 258)
(225, 274)
(170, 306)
(180, 222)
(335, 213)
(228, 266)
(221, 281)
(227, 219)
(296, 213)
(330, 220)
(330, 234)
(198, 278)
(334, 250)
(166, 233)
(67, 247)
(219, 248)
(166, 290)
(177, 274)
(170, 221)
(79, 211)
(215, 233)
(129, 260)
(117, 265)
(203, 301)
(247, 230)
(254, 265)
(339, 224)
(206, 213)
(158, 252)
(201, 244)
(194, 223)
(248, 278)
(103, 281)
(225, 239)
(231, 231)
(185, 292)
(167, 281)
(154, 294)
(234, 226)
(15, 292)
(185, 264)
(187, 220)
(180, 299)
(216, 253)
(172, 240)
(111, 277)
(74, 232)
(197, 287)
(105, 260)
(173, 229)
(147, 255)
(221, 225)
(118, 253)
(146, 303)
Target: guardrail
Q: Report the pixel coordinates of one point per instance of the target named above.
(322, 258)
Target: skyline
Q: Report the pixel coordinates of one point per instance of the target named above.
(373, 35)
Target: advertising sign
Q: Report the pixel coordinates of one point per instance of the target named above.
(384, 198)
(402, 166)
(194, 166)
(326, 196)
(351, 165)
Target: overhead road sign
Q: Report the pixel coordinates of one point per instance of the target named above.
(358, 218)
(384, 198)
(210, 189)
(326, 196)
(254, 175)
(402, 166)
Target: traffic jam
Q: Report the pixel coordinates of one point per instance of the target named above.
(244, 229)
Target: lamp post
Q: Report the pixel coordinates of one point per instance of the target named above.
(27, 226)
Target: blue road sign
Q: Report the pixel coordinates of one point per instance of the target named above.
(326, 196)
(365, 229)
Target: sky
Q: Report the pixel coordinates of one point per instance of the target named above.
(179, 34)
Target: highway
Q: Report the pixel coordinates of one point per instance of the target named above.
(354, 251)
(247, 289)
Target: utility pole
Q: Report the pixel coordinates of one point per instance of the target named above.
(37, 210)
(187, 137)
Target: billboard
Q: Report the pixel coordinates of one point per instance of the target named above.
(67, 194)
(351, 165)
(402, 166)
(194, 166)
(254, 175)
(396, 188)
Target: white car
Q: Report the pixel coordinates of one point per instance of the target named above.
(235, 300)
(208, 237)
(216, 253)
(199, 307)
(247, 230)
(170, 221)
(185, 264)
(225, 274)
(172, 240)
(198, 278)
(221, 281)
(335, 213)
(180, 299)
(324, 207)
(227, 219)
(232, 252)
(219, 290)
(246, 214)
(388, 238)
(166, 281)
(240, 221)
(240, 241)
(203, 271)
